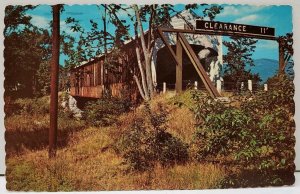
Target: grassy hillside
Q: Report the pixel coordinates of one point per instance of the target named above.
(188, 141)
(89, 160)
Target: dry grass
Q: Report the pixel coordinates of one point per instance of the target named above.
(181, 123)
(26, 122)
(88, 161)
(26, 131)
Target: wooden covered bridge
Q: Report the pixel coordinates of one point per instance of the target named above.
(181, 53)
(90, 78)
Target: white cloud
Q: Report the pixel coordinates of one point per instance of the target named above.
(240, 10)
(267, 44)
(40, 21)
(66, 28)
(124, 14)
(247, 19)
(229, 10)
(43, 22)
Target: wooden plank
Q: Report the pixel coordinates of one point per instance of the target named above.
(102, 72)
(218, 33)
(178, 66)
(281, 56)
(94, 74)
(198, 66)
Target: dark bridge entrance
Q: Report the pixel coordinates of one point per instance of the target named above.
(166, 68)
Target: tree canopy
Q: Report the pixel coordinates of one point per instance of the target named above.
(239, 56)
(24, 52)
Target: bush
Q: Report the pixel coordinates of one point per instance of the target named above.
(32, 106)
(104, 112)
(256, 177)
(220, 133)
(147, 142)
(259, 135)
(280, 95)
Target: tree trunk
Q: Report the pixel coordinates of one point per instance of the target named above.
(145, 92)
(146, 52)
(140, 88)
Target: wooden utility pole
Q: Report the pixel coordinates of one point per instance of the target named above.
(54, 82)
(104, 65)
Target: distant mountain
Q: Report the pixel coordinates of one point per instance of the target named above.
(266, 68)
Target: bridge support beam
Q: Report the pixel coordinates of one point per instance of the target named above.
(178, 67)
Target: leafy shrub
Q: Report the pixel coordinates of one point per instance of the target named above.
(258, 135)
(280, 95)
(104, 112)
(147, 142)
(32, 106)
(221, 132)
(257, 177)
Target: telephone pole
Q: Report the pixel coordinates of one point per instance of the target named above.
(54, 82)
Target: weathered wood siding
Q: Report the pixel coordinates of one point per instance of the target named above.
(87, 91)
(88, 80)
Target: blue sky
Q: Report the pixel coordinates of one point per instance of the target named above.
(278, 17)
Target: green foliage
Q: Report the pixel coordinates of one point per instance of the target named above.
(104, 111)
(239, 55)
(26, 47)
(287, 45)
(258, 178)
(280, 94)
(43, 79)
(221, 132)
(212, 11)
(184, 99)
(15, 16)
(27, 54)
(32, 106)
(147, 143)
(258, 135)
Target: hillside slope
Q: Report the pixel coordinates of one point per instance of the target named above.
(266, 68)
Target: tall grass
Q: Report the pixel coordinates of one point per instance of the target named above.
(89, 159)
(90, 163)
(27, 125)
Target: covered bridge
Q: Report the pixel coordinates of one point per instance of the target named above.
(90, 78)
